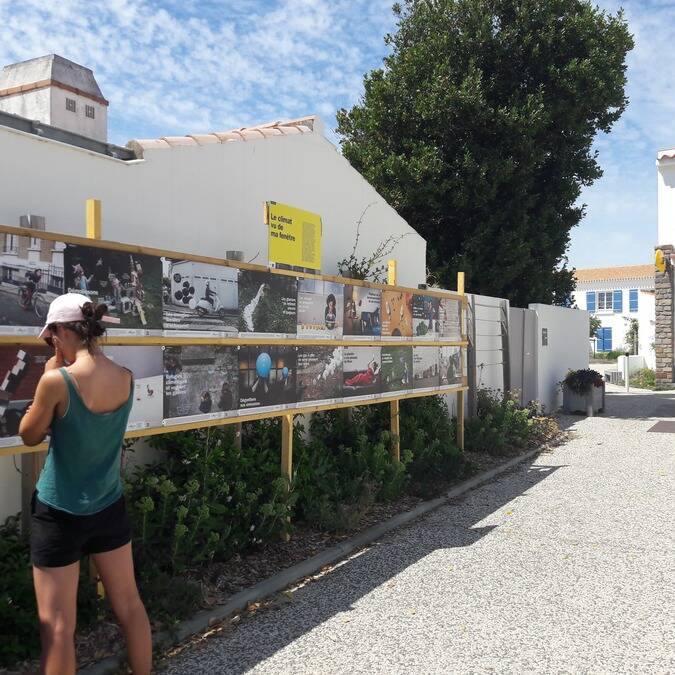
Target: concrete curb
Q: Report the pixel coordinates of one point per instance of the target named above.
(238, 602)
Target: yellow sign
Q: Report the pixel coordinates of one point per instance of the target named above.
(660, 261)
(294, 237)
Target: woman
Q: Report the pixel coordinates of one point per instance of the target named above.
(83, 400)
(330, 312)
(365, 377)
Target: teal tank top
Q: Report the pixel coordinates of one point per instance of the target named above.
(81, 474)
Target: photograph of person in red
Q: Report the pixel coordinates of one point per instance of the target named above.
(362, 371)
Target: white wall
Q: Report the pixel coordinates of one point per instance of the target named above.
(35, 105)
(635, 363)
(204, 199)
(77, 121)
(567, 349)
(666, 201)
(647, 327)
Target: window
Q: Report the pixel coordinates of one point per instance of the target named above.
(590, 301)
(605, 300)
(89, 111)
(633, 300)
(71, 105)
(604, 340)
(11, 243)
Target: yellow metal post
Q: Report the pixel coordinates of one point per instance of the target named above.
(394, 406)
(460, 394)
(94, 232)
(93, 219)
(391, 272)
(395, 426)
(287, 450)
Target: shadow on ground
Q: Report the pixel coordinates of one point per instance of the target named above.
(644, 405)
(640, 406)
(259, 637)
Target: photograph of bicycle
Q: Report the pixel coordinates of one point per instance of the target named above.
(129, 285)
(31, 277)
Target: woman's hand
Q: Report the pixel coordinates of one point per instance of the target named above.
(57, 361)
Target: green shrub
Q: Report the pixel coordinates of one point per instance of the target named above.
(346, 464)
(500, 426)
(205, 502)
(208, 500)
(19, 629)
(645, 378)
(19, 636)
(344, 467)
(581, 381)
(609, 356)
(429, 434)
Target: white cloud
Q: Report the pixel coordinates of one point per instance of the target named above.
(186, 67)
(620, 225)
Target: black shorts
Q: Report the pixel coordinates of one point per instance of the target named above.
(58, 538)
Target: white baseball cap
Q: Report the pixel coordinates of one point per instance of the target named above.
(63, 309)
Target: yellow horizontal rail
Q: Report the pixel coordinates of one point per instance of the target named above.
(147, 250)
(303, 410)
(150, 340)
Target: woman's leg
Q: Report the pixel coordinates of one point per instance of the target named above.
(56, 593)
(116, 569)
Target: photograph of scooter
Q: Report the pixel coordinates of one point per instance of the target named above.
(199, 296)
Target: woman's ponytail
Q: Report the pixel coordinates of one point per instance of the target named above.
(92, 326)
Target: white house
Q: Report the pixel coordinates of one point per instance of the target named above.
(58, 92)
(615, 295)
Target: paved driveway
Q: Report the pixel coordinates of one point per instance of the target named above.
(565, 565)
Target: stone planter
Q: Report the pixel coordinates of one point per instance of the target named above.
(587, 404)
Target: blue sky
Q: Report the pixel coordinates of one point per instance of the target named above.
(190, 66)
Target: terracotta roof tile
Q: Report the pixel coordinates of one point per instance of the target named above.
(615, 273)
(174, 141)
(665, 154)
(204, 139)
(303, 125)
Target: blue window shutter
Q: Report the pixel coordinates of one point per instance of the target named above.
(633, 299)
(618, 302)
(590, 301)
(604, 342)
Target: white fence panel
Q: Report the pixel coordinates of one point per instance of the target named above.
(488, 357)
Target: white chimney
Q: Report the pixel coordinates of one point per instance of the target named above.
(55, 91)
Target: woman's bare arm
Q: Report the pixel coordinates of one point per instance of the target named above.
(37, 420)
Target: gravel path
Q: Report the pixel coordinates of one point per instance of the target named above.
(566, 565)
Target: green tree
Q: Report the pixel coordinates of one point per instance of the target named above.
(593, 324)
(632, 335)
(479, 131)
